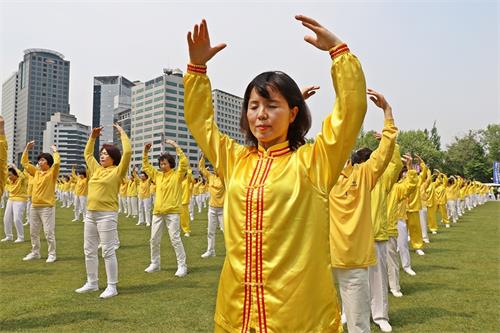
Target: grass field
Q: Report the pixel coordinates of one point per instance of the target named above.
(457, 287)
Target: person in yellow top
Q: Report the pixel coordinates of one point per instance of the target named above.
(215, 207)
(65, 189)
(43, 200)
(204, 192)
(352, 246)
(132, 204)
(81, 193)
(122, 199)
(101, 219)
(397, 208)
(144, 196)
(187, 190)
(276, 219)
(18, 188)
(168, 204)
(441, 200)
(452, 194)
(3, 156)
(197, 193)
(432, 204)
(378, 273)
(28, 202)
(422, 188)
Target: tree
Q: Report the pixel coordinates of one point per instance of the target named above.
(366, 139)
(418, 142)
(435, 137)
(490, 138)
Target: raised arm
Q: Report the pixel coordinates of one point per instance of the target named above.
(127, 151)
(381, 157)
(183, 161)
(201, 167)
(57, 162)
(146, 166)
(92, 164)
(25, 159)
(327, 156)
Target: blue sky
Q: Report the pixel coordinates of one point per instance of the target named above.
(434, 61)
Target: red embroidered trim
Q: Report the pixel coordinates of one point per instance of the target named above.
(197, 69)
(338, 50)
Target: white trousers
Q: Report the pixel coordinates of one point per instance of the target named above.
(171, 222)
(122, 203)
(45, 216)
(451, 206)
(378, 284)
(199, 202)
(423, 222)
(402, 240)
(145, 211)
(191, 208)
(100, 227)
(132, 206)
(66, 202)
(14, 215)
(28, 208)
(80, 206)
(393, 264)
(355, 292)
(214, 220)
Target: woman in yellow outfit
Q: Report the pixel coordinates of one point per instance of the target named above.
(81, 193)
(441, 199)
(352, 246)
(144, 198)
(101, 219)
(122, 196)
(3, 156)
(432, 204)
(132, 204)
(16, 204)
(276, 219)
(43, 200)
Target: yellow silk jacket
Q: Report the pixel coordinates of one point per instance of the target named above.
(215, 186)
(414, 198)
(44, 182)
(351, 234)
(187, 187)
(276, 275)
(397, 201)
(18, 191)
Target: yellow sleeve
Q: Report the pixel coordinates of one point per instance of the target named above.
(147, 167)
(381, 157)
(325, 158)
(201, 166)
(393, 169)
(3, 162)
(423, 172)
(220, 149)
(409, 184)
(183, 162)
(92, 164)
(26, 163)
(126, 155)
(55, 167)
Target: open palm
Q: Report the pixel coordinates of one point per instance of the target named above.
(200, 50)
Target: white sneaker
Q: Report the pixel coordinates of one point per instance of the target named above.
(181, 271)
(420, 252)
(152, 268)
(148, 224)
(31, 256)
(384, 326)
(139, 223)
(396, 293)
(87, 287)
(25, 224)
(410, 271)
(51, 258)
(208, 254)
(74, 220)
(110, 291)
(6, 239)
(447, 225)
(343, 318)
(187, 234)
(426, 241)
(19, 240)
(117, 246)
(434, 232)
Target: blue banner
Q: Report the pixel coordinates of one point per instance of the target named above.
(496, 172)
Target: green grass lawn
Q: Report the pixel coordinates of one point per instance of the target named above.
(456, 288)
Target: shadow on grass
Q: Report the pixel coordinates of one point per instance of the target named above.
(402, 317)
(427, 268)
(417, 287)
(55, 319)
(170, 283)
(21, 271)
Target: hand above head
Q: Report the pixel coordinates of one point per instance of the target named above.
(309, 91)
(324, 40)
(119, 128)
(379, 100)
(147, 146)
(377, 136)
(54, 148)
(420, 160)
(200, 50)
(172, 143)
(408, 161)
(30, 145)
(2, 126)
(96, 132)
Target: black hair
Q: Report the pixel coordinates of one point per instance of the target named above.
(82, 173)
(13, 171)
(361, 155)
(47, 157)
(287, 87)
(145, 174)
(169, 158)
(113, 152)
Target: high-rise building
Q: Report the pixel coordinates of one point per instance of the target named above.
(122, 118)
(9, 104)
(70, 137)
(227, 108)
(42, 90)
(111, 95)
(158, 114)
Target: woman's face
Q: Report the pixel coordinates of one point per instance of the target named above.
(269, 119)
(43, 165)
(105, 159)
(12, 177)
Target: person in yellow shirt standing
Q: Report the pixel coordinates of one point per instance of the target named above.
(215, 207)
(452, 197)
(352, 246)
(441, 199)
(101, 219)
(3, 156)
(422, 189)
(277, 272)
(43, 200)
(197, 193)
(132, 206)
(187, 189)
(432, 204)
(144, 196)
(378, 273)
(168, 204)
(81, 193)
(397, 230)
(18, 188)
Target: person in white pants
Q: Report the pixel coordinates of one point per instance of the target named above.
(144, 197)
(16, 204)
(81, 193)
(215, 206)
(122, 197)
(198, 196)
(101, 218)
(132, 201)
(166, 214)
(43, 200)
